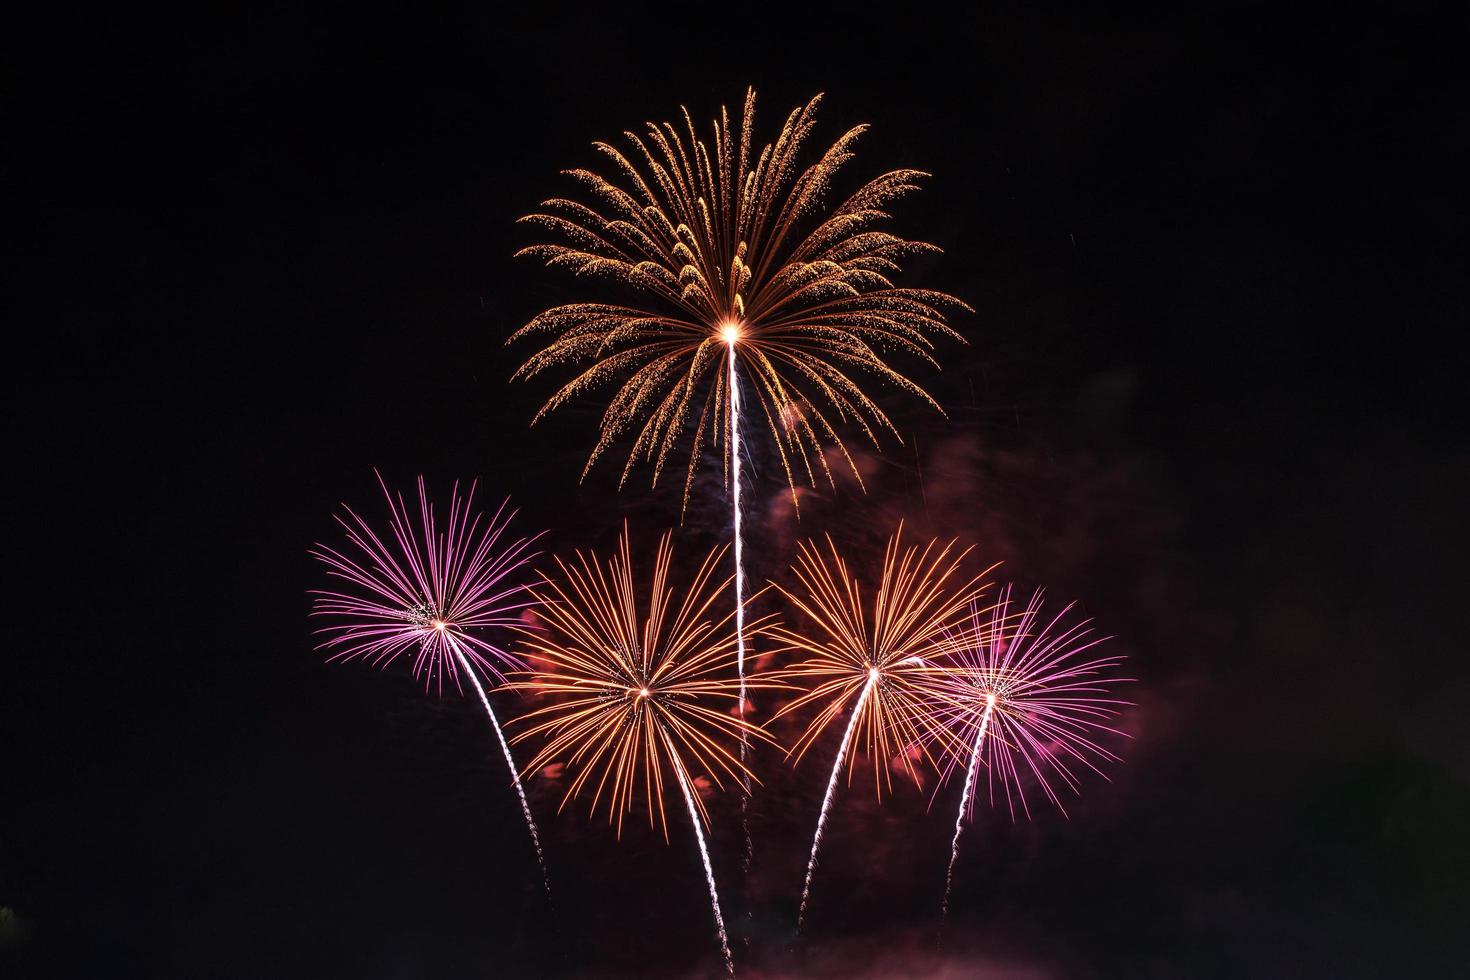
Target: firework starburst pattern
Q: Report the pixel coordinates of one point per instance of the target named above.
(1027, 697)
(641, 686)
(642, 679)
(737, 257)
(723, 276)
(443, 593)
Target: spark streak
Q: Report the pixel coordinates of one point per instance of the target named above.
(732, 334)
(739, 543)
(811, 864)
(509, 759)
(959, 819)
(709, 871)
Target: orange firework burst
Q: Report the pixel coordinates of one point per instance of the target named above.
(878, 660)
(739, 259)
(634, 681)
(888, 654)
(635, 678)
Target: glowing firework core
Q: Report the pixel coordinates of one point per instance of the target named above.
(730, 332)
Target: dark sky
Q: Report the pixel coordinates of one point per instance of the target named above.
(1217, 263)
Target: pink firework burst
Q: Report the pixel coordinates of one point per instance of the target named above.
(433, 590)
(1029, 697)
(425, 588)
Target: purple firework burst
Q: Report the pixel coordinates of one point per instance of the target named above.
(431, 590)
(1026, 696)
(424, 588)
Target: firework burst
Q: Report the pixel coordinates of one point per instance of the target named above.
(431, 591)
(638, 682)
(739, 260)
(875, 659)
(1026, 696)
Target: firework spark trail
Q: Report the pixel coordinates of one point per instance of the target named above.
(749, 852)
(739, 543)
(811, 864)
(709, 871)
(509, 759)
(959, 820)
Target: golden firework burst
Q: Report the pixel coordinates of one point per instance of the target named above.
(735, 256)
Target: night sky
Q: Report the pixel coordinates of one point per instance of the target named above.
(1217, 263)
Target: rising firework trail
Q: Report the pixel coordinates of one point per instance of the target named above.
(709, 871)
(811, 863)
(874, 657)
(505, 750)
(1025, 696)
(722, 251)
(959, 820)
(732, 335)
(632, 676)
(433, 591)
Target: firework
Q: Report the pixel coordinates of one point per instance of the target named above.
(1026, 696)
(434, 592)
(638, 681)
(737, 261)
(737, 257)
(872, 657)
